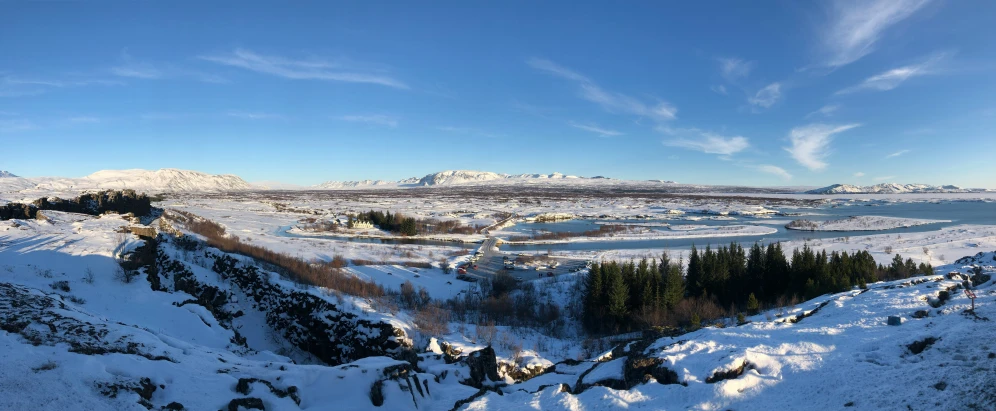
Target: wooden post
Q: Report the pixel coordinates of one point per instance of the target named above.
(971, 295)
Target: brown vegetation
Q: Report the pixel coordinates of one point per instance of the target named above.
(317, 273)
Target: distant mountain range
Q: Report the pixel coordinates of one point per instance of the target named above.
(445, 178)
(891, 188)
(173, 180)
(163, 180)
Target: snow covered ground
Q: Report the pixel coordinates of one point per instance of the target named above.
(835, 352)
(860, 223)
(841, 356)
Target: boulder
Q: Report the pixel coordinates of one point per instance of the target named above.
(895, 320)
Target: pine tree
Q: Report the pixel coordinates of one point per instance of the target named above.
(693, 279)
(593, 298)
(618, 295)
(752, 304)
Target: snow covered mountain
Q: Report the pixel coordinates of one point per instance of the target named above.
(337, 185)
(158, 181)
(889, 188)
(6, 174)
(447, 178)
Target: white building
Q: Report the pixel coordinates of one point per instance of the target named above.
(360, 224)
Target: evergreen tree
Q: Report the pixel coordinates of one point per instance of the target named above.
(618, 296)
(752, 304)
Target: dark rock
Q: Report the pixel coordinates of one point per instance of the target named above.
(920, 314)
(918, 346)
(483, 366)
(174, 406)
(941, 386)
(377, 393)
(895, 320)
(729, 374)
(248, 403)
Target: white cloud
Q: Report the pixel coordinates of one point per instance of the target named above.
(11, 86)
(778, 171)
(610, 101)
(897, 154)
(859, 174)
(825, 111)
(313, 69)
(378, 119)
(891, 79)
(604, 132)
(733, 69)
(885, 178)
(142, 71)
(811, 143)
(855, 26)
(15, 125)
(253, 116)
(84, 119)
(718, 89)
(767, 96)
(705, 141)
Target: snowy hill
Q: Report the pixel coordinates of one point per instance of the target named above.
(338, 185)
(450, 178)
(6, 174)
(889, 188)
(162, 180)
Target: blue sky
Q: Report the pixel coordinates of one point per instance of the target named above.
(758, 93)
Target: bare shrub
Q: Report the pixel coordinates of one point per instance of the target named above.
(46, 366)
(432, 320)
(62, 285)
(88, 276)
(125, 276)
(486, 332)
(888, 249)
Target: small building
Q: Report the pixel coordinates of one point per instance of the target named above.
(361, 224)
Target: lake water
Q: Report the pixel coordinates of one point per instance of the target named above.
(959, 212)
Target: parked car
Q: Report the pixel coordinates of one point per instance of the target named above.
(461, 271)
(549, 274)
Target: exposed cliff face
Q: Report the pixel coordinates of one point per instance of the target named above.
(126, 201)
(312, 324)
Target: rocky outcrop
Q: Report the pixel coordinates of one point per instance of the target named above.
(125, 201)
(483, 366)
(311, 323)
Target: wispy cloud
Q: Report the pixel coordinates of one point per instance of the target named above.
(855, 26)
(859, 174)
(304, 69)
(610, 101)
(718, 89)
(704, 141)
(83, 119)
(897, 154)
(825, 111)
(778, 171)
(468, 131)
(377, 119)
(733, 69)
(811, 143)
(15, 125)
(885, 178)
(891, 79)
(767, 96)
(604, 132)
(12, 86)
(254, 115)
